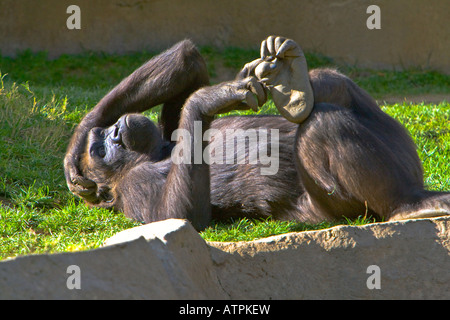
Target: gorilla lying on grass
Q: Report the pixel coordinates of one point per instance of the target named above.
(333, 152)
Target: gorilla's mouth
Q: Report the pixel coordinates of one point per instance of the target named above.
(98, 138)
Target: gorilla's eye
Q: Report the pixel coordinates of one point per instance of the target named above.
(101, 151)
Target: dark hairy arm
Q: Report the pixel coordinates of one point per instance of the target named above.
(168, 76)
(185, 194)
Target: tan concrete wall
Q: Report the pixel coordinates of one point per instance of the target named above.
(169, 260)
(413, 32)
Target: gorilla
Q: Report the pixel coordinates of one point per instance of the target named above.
(333, 151)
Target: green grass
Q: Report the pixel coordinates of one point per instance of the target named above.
(429, 125)
(34, 226)
(42, 100)
(251, 229)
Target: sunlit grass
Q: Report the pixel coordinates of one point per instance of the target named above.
(42, 100)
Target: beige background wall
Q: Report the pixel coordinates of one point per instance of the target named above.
(413, 32)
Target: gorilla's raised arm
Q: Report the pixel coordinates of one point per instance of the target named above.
(134, 178)
(168, 78)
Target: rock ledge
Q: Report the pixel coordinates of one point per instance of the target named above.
(169, 260)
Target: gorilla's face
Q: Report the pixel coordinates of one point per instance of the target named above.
(108, 150)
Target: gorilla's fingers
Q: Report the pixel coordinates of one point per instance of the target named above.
(254, 93)
(271, 45)
(83, 187)
(251, 100)
(278, 43)
(83, 182)
(267, 70)
(264, 50)
(249, 69)
(258, 89)
(289, 49)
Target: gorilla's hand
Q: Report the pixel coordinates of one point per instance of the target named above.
(79, 185)
(249, 69)
(285, 72)
(242, 94)
(251, 93)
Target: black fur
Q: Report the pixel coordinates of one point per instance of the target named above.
(347, 159)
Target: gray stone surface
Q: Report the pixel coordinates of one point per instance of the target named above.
(413, 257)
(169, 260)
(174, 263)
